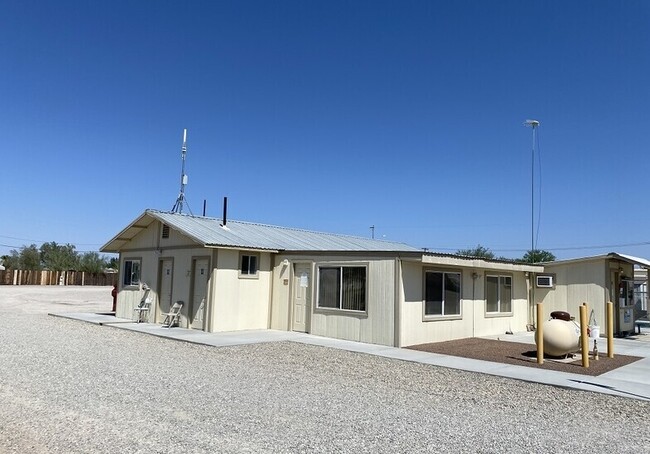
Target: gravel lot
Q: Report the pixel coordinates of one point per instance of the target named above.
(68, 386)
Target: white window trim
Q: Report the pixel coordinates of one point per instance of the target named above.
(318, 308)
(438, 317)
(122, 275)
(499, 313)
(256, 275)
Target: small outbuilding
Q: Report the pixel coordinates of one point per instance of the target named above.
(596, 280)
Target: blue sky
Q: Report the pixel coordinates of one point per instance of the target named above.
(330, 116)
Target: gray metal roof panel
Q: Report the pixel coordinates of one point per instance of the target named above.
(210, 232)
(611, 255)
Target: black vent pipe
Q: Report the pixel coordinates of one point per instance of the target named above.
(225, 211)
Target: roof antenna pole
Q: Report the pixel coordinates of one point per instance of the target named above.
(533, 124)
(178, 206)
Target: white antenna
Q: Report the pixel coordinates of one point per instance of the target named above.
(178, 206)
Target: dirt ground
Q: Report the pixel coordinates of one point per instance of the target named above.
(35, 299)
(42, 299)
(521, 354)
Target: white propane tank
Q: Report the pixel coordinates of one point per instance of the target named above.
(561, 337)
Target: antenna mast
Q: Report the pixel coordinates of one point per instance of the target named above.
(178, 206)
(533, 124)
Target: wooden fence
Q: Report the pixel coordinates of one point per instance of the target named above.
(35, 277)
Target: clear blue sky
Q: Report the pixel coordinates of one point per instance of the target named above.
(330, 116)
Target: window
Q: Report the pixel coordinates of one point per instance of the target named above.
(498, 294)
(165, 231)
(441, 293)
(131, 273)
(248, 265)
(342, 287)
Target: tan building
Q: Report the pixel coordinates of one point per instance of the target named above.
(596, 280)
(238, 276)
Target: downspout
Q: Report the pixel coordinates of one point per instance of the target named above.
(157, 263)
(209, 310)
(530, 292)
(290, 297)
(532, 296)
(475, 276)
(272, 266)
(398, 303)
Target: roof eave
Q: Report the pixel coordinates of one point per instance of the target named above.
(480, 263)
(109, 246)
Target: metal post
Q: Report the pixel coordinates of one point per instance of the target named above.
(584, 338)
(539, 333)
(610, 329)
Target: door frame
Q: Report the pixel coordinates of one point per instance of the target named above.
(190, 311)
(159, 310)
(310, 289)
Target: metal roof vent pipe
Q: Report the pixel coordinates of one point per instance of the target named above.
(225, 212)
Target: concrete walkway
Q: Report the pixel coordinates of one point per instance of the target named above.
(631, 381)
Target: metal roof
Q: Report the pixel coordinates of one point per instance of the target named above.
(247, 235)
(612, 255)
(480, 262)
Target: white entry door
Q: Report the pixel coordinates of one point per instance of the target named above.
(301, 296)
(199, 292)
(165, 292)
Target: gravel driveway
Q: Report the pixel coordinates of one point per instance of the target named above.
(68, 386)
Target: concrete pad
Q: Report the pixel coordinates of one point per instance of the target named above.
(637, 372)
(97, 319)
(222, 339)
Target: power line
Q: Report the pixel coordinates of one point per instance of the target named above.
(8, 245)
(46, 241)
(21, 239)
(551, 249)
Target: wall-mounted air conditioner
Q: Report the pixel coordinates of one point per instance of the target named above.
(544, 281)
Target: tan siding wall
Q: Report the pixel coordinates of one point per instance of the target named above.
(488, 325)
(150, 238)
(128, 298)
(175, 239)
(577, 283)
(378, 326)
(474, 322)
(281, 304)
(240, 303)
(148, 247)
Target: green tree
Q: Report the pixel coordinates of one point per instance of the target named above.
(479, 252)
(92, 262)
(28, 258)
(113, 263)
(8, 262)
(58, 257)
(538, 256)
